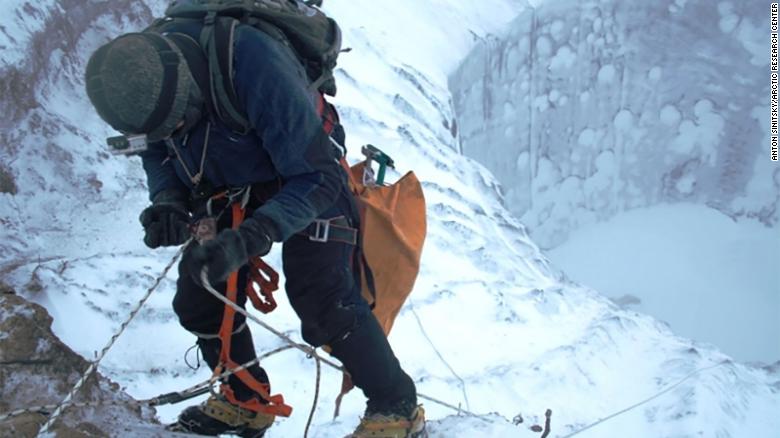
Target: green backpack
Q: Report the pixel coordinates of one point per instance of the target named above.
(312, 36)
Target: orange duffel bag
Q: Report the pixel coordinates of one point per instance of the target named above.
(393, 228)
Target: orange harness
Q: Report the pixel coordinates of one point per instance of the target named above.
(267, 280)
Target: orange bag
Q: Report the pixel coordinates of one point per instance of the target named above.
(393, 228)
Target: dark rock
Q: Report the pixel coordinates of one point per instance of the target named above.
(37, 369)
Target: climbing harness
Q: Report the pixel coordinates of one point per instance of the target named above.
(274, 403)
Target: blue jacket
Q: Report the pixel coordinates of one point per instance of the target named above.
(287, 141)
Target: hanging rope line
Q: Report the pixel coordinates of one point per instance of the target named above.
(316, 399)
(200, 388)
(634, 406)
(305, 348)
(436, 350)
(67, 400)
(163, 399)
(207, 386)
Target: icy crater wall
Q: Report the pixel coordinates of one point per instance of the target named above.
(588, 108)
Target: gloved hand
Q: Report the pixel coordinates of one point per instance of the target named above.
(229, 251)
(167, 221)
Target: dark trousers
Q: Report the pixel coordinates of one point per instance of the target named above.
(323, 286)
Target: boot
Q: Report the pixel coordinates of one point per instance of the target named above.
(392, 425)
(216, 416)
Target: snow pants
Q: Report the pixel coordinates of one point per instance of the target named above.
(323, 287)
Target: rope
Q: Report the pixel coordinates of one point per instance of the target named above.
(163, 399)
(208, 383)
(316, 399)
(311, 352)
(198, 176)
(67, 400)
(203, 387)
(306, 349)
(547, 415)
(636, 405)
(454, 408)
(436, 350)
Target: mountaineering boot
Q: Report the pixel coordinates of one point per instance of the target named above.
(392, 425)
(216, 416)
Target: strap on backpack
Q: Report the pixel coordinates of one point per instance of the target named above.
(217, 38)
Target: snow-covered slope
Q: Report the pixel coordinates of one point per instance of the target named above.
(686, 264)
(517, 337)
(588, 108)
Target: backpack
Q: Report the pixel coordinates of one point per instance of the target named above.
(307, 31)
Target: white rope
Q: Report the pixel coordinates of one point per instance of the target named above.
(192, 391)
(67, 400)
(436, 350)
(455, 408)
(636, 405)
(306, 349)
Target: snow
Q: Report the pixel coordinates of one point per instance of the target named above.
(26, 19)
(718, 279)
(624, 121)
(728, 19)
(493, 311)
(543, 46)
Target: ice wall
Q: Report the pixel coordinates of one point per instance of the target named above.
(587, 108)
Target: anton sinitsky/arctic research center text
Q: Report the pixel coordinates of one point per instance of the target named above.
(773, 65)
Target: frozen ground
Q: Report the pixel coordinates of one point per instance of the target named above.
(710, 277)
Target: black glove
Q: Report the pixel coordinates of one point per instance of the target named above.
(167, 220)
(229, 251)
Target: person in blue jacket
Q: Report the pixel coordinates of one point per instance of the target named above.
(141, 83)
